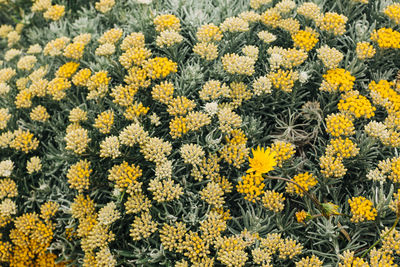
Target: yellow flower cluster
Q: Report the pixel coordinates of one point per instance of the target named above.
(332, 166)
(362, 209)
(349, 260)
(83, 38)
(384, 95)
(391, 241)
(332, 23)
(105, 50)
(93, 229)
(143, 226)
(234, 24)
(55, 47)
(283, 151)
(395, 203)
(251, 186)
(77, 115)
(111, 36)
(213, 90)
(104, 5)
(192, 154)
(289, 248)
(213, 195)
(285, 6)
(5, 116)
(159, 67)
(235, 151)
(283, 79)
(164, 190)
(134, 39)
(23, 99)
(209, 33)
(98, 85)
(55, 12)
(313, 261)
(168, 38)
(301, 216)
(137, 201)
(305, 180)
(6, 168)
(207, 51)
(305, 39)
(24, 141)
(256, 4)
(266, 36)
(135, 110)
(40, 5)
(77, 140)
(104, 121)
(34, 165)
(356, 105)
(39, 113)
(395, 170)
(365, 50)
(109, 147)
(48, 210)
(381, 257)
(386, 38)
(393, 12)
(30, 240)
(34, 49)
(192, 122)
(339, 125)
(78, 175)
(74, 50)
(8, 188)
(293, 57)
(67, 70)
(231, 250)
(262, 85)
(167, 22)
(337, 80)
(26, 62)
(290, 25)
(124, 95)
(124, 175)
(156, 150)
(57, 87)
(195, 247)
(235, 64)
(81, 77)
(273, 200)
(271, 17)
(330, 57)
(180, 106)
(228, 120)
(172, 236)
(163, 92)
(341, 148)
(133, 134)
(268, 246)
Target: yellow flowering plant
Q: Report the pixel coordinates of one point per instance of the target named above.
(198, 133)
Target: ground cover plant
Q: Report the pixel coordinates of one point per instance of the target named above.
(199, 133)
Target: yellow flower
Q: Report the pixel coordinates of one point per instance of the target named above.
(263, 160)
(302, 216)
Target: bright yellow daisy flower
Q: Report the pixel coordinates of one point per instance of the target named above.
(263, 160)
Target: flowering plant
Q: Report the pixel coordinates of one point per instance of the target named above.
(227, 133)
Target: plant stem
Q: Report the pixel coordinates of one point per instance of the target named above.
(313, 198)
(382, 237)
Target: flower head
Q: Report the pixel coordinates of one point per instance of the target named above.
(263, 160)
